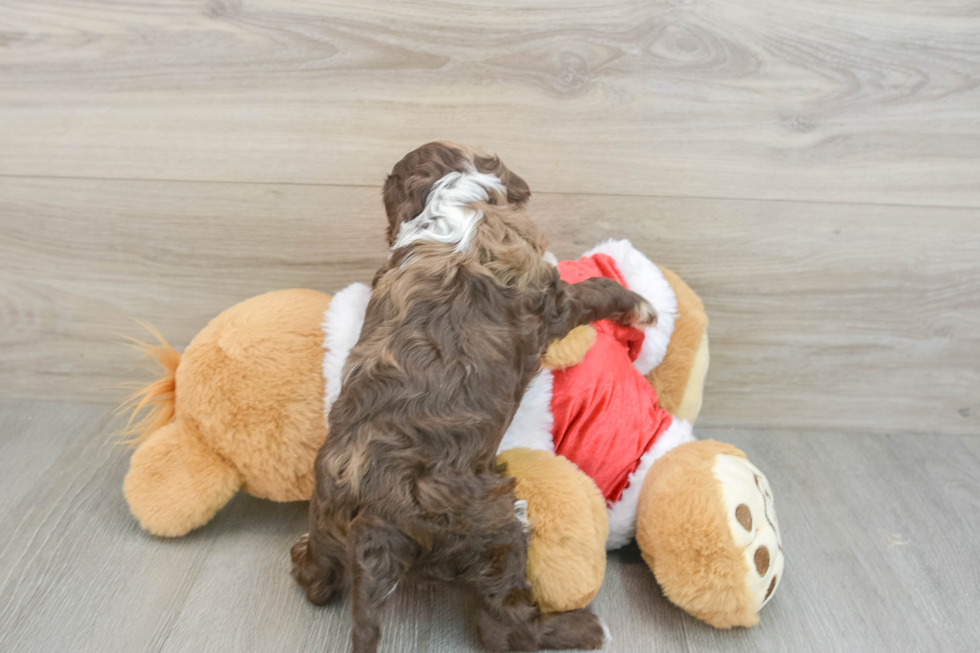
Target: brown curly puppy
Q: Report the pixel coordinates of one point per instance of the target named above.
(458, 320)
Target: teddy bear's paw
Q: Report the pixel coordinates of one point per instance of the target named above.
(753, 524)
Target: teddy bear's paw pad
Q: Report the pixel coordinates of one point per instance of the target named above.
(753, 524)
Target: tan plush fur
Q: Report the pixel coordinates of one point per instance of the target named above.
(176, 483)
(248, 398)
(683, 533)
(567, 558)
(678, 389)
(157, 397)
(690, 405)
(570, 350)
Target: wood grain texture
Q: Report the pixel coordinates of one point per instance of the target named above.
(866, 101)
(822, 316)
(878, 530)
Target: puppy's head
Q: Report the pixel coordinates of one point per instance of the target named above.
(407, 187)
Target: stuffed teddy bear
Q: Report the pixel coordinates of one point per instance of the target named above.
(599, 402)
(243, 409)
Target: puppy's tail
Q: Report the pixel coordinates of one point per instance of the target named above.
(152, 406)
(378, 556)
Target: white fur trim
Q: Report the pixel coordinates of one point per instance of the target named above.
(622, 514)
(342, 324)
(533, 421)
(551, 259)
(645, 279)
(448, 216)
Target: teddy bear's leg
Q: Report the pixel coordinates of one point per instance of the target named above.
(690, 405)
(175, 483)
(508, 618)
(567, 518)
(707, 528)
(679, 378)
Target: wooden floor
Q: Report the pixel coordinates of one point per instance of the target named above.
(811, 168)
(880, 533)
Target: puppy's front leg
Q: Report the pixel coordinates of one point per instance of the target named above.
(595, 299)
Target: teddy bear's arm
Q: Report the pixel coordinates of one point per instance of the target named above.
(679, 379)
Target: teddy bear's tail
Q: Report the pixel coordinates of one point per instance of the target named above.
(175, 481)
(152, 407)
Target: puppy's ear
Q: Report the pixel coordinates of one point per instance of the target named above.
(408, 185)
(518, 192)
(404, 199)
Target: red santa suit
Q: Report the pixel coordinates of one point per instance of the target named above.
(602, 414)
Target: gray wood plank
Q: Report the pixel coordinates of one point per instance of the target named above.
(879, 532)
(823, 316)
(859, 101)
(78, 268)
(248, 574)
(24, 456)
(878, 557)
(76, 572)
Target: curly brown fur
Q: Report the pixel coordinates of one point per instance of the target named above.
(407, 480)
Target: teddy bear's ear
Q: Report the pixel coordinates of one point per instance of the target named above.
(175, 483)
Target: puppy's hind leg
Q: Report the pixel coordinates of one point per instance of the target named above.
(378, 556)
(508, 619)
(320, 556)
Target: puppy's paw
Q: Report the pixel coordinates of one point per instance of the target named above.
(594, 634)
(575, 629)
(321, 585)
(300, 557)
(642, 316)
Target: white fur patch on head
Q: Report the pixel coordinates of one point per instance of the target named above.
(520, 513)
(622, 514)
(645, 279)
(448, 216)
(342, 324)
(533, 421)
